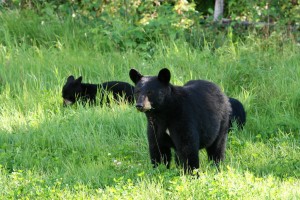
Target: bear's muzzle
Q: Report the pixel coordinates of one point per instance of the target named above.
(143, 104)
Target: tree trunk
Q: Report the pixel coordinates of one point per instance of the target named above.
(218, 12)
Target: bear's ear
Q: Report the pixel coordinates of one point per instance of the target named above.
(164, 76)
(70, 78)
(79, 79)
(135, 76)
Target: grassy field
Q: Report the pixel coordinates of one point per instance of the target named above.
(51, 152)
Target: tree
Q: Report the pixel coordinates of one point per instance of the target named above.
(219, 9)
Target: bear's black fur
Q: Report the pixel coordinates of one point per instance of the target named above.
(75, 90)
(186, 118)
(237, 114)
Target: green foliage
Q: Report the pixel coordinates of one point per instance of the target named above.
(137, 25)
(283, 11)
(286, 11)
(119, 24)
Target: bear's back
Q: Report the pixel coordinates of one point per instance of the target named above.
(200, 85)
(204, 92)
(118, 88)
(207, 106)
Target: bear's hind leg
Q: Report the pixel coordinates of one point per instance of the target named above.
(216, 152)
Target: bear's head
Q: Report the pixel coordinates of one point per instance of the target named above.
(71, 90)
(150, 92)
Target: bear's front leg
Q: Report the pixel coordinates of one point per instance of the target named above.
(159, 146)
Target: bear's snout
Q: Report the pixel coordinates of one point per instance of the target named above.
(143, 104)
(139, 107)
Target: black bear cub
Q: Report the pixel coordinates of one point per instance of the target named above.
(238, 113)
(75, 90)
(186, 118)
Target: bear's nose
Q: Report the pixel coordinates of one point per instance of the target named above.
(139, 106)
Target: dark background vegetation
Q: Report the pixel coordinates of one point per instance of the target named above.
(138, 25)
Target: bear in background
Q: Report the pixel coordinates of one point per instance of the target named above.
(75, 90)
(186, 118)
(238, 113)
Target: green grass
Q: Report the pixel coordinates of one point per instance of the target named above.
(51, 152)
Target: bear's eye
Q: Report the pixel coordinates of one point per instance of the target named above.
(149, 92)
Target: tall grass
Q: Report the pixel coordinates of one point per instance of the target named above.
(51, 152)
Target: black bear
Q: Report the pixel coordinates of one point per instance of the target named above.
(186, 118)
(237, 114)
(75, 90)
